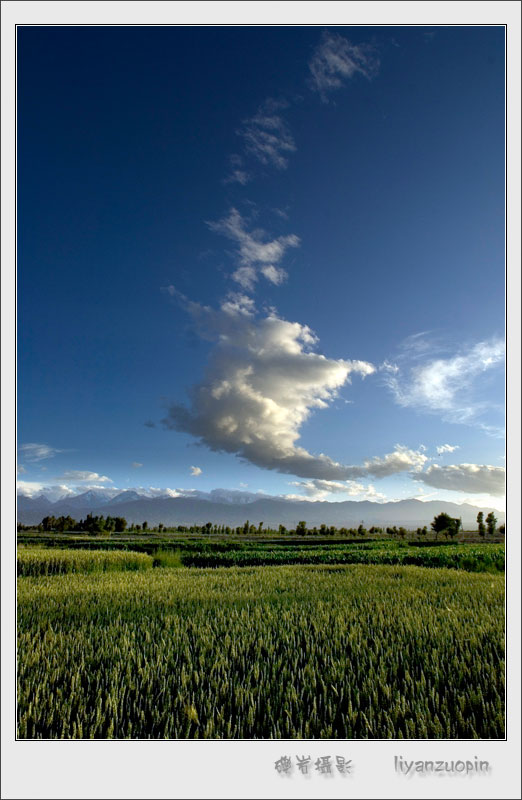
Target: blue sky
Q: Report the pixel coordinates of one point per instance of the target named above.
(273, 257)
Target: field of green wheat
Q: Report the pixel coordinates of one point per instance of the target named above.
(315, 651)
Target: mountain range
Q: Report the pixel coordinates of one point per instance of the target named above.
(234, 509)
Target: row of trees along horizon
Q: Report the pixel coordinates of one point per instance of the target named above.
(442, 524)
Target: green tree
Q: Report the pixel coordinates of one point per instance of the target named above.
(480, 521)
(120, 524)
(454, 528)
(491, 523)
(301, 528)
(442, 522)
(502, 529)
(144, 526)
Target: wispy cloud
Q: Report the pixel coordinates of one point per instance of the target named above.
(256, 251)
(136, 465)
(21, 469)
(78, 475)
(38, 452)
(447, 448)
(264, 380)
(472, 478)
(337, 60)
(267, 136)
(238, 173)
(196, 471)
(446, 386)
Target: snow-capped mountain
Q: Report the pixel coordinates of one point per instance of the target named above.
(273, 511)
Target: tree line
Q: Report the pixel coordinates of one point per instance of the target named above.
(442, 524)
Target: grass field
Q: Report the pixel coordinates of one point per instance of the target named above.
(304, 651)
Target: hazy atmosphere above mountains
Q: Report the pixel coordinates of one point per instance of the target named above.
(261, 263)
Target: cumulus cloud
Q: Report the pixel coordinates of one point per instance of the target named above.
(262, 383)
(78, 475)
(38, 452)
(196, 471)
(447, 448)
(445, 386)
(400, 460)
(256, 251)
(336, 60)
(267, 136)
(472, 478)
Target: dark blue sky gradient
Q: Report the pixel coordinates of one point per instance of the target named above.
(396, 190)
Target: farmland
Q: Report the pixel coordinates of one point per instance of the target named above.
(315, 650)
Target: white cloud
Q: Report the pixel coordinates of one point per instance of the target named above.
(400, 460)
(38, 452)
(336, 60)
(447, 448)
(35, 489)
(262, 383)
(256, 252)
(321, 490)
(153, 491)
(274, 274)
(28, 488)
(77, 475)
(444, 386)
(20, 469)
(267, 136)
(196, 471)
(136, 465)
(237, 303)
(472, 478)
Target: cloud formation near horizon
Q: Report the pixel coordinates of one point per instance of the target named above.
(320, 489)
(336, 60)
(471, 478)
(256, 252)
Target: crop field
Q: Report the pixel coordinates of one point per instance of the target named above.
(313, 651)
(233, 551)
(53, 561)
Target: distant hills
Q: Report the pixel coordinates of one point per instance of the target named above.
(223, 509)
